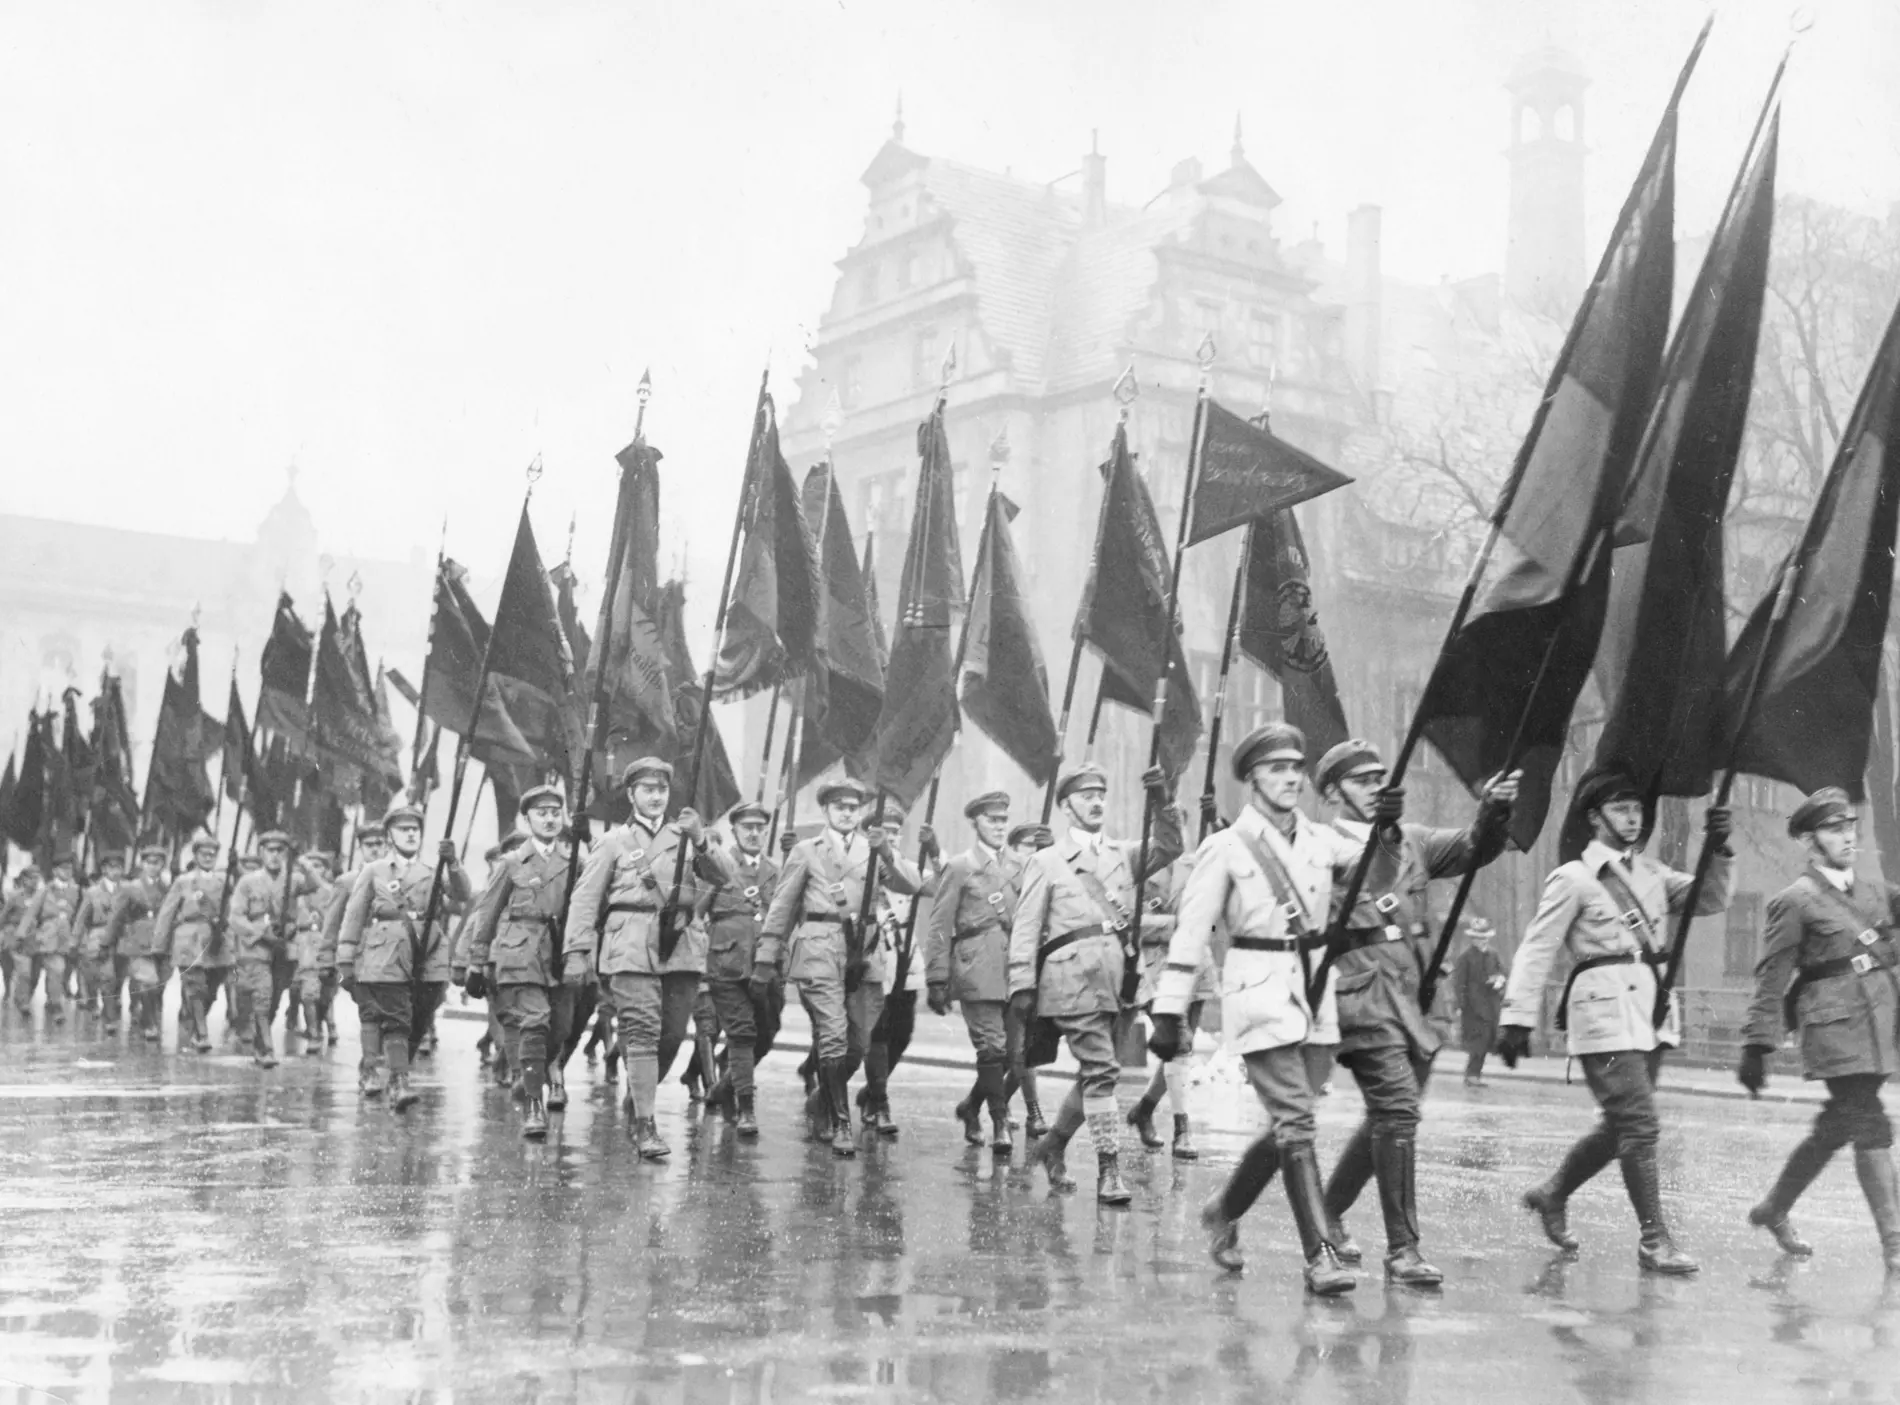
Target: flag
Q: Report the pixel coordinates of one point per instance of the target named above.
(1248, 472)
(178, 794)
(26, 807)
(1280, 631)
(72, 782)
(9, 781)
(717, 788)
(1005, 688)
(1665, 637)
(918, 721)
(428, 771)
(579, 646)
(635, 692)
(771, 626)
(1820, 665)
(349, 739)
(873, 608)
(383, 785)
(288, 655)
(845, 693)
(113, 813)
(244, 781)
(528, 702)
(1504, 685)
(458, 636)
(1124, 614)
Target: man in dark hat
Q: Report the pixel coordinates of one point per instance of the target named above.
(1069, 949)
(512, 953)
(966, 960)
(821, 932)
(382, 950)
(1830, 972)
(132, 933)
(188, 928)
(1267, 881)
(1387, 941)
(734, 915)
(1610, 909)
(262, 909)
(638, 927)
(1477, 983)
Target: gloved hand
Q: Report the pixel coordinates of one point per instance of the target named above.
(1388, 806)
(690, 824)
(927, 844)
(787, 842)
(582, 829)
(346, 978)
(938, 999)
(1752, 1072)
(1718, 824)
(1164, 1040)
(1210, 815)
(458, 976)
(576, 970)
(477, 984)
(446, 852)
(1154, 780)
(1514, 1043)
(1022, 1004)
(760, 986)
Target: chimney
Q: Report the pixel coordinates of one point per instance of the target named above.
(1095, 183)
(1363, 297)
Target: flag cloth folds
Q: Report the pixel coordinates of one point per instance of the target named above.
(1124, 615)
(9, 782)
(1248, 472)
(718, 787)
(288, 655)
(918, 722)
(1813, 720)
(113, 816)
(1665, 637)
(245, 781)
(1504, 686)
(1005, 687)
(350, 738)
(26, 807)
(636, 692)
(527, 707)
(72, 781)
(458, 635)
(1280, 631)
(845, 692)
(178, 794)
(771, 628)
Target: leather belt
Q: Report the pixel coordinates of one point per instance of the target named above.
(1861, 963)
(1313, 941)
(1359, 938)
(835, 918)
(1652, 959)
(632, 907)
(1095, 929)
(965, 933)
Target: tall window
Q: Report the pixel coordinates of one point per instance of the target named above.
(1263, 338)
(851, 387)
(1742, 937)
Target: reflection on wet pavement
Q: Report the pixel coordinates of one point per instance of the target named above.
(193, 1227)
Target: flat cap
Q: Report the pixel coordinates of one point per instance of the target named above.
(63, 858)
(248, 862)
(273, 836)
(32, 870)
(156, 851)
(1087, 776)
(371, 829)
(402, 814)
(643, 767)
(842, 790)
(204, 839)
(1826, 805)
(1346, 758)
(541, 795)
(1479, 927)
(1265, 741)
(1601, 785)
(748, 810)
(989, 800)
(113, 856)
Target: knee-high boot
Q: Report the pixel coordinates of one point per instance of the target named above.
(1881, 1186)
(1657, 1251)
(1325, 1275)
(1804, 1163)
(1395, 1163)
(1588, 1155)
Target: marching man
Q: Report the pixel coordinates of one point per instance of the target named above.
(188, 928)
(1831, 972)
(735, 913)
(1610, 910)
(257, 928)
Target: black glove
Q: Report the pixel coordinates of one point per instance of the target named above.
(1023, 1005)
(1718, 824)
(346, 978)
(927, 845)
(1752, 1071)
(1514, 1043)
(787, 842)
(477, 984)
(1388, 806)
(445, 851)
(1154, 780)
(938, 999)
(760, 986)
(582, 829)
(1164, 1040)
(1210, 814)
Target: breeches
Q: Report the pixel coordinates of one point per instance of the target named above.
(1853, 1113)
(653, 1012)
(528, 1015)
(824, 1003)
(1391, 1080)
(1092, 1041)
(988, 1024)
(1623, 1084)
(1279, 1079)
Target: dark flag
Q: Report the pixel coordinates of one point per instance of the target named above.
(458, 636)
(1280, 631)
(178, 794)
(527, 711)
(288, 655)
(26, 803)
(113, 816)
(636, 693)
(1820, 665)
(1124, 615)
(9, 781)
(771, 629)
(1504, 686)
(918, 722)
(1247, 472)
(350, 739)
(718, 789)
(382, 786)
(1005, 687)
(845, 693)
(73, 779)
(579, 647)
(428, 772)
(244, 780)
(873, 608)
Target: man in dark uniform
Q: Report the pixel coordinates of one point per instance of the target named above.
(133, 934)
(1477, 983)
(734, 914)
(1831, 971)
(1384, 1038)
(95, 957)
(1610, 909)
(48, 931)
(188, 928)
(966, 959)
(511, 947)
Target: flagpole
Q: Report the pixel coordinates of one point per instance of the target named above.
(428, 662)
(747, 493)
(474, 811)
(771, 728)
(794, 755)
(1228, 643)
(1125, 390)
(597, 729)
(1205, 355)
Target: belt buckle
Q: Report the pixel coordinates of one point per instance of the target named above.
(752, 893)
(1393, 933)
(996, 901)
(1632, 920)
(1868, 937)
(1387, 903)
(1861, 962)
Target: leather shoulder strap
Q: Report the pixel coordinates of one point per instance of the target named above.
(1279, 880)
(1634, 915)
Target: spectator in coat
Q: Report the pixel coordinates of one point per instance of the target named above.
(1478, 986)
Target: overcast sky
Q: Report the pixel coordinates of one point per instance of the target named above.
(408, 247)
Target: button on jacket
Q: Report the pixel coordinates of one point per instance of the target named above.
(967, 947)
(315, 942)
(1847, 1020)
(382, 921)
(823, 880)
(1377, 985)
(735, 914)
(514, 924)
(1228, 895)
(1611, 1007)
(187, 921)
(624, 883)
